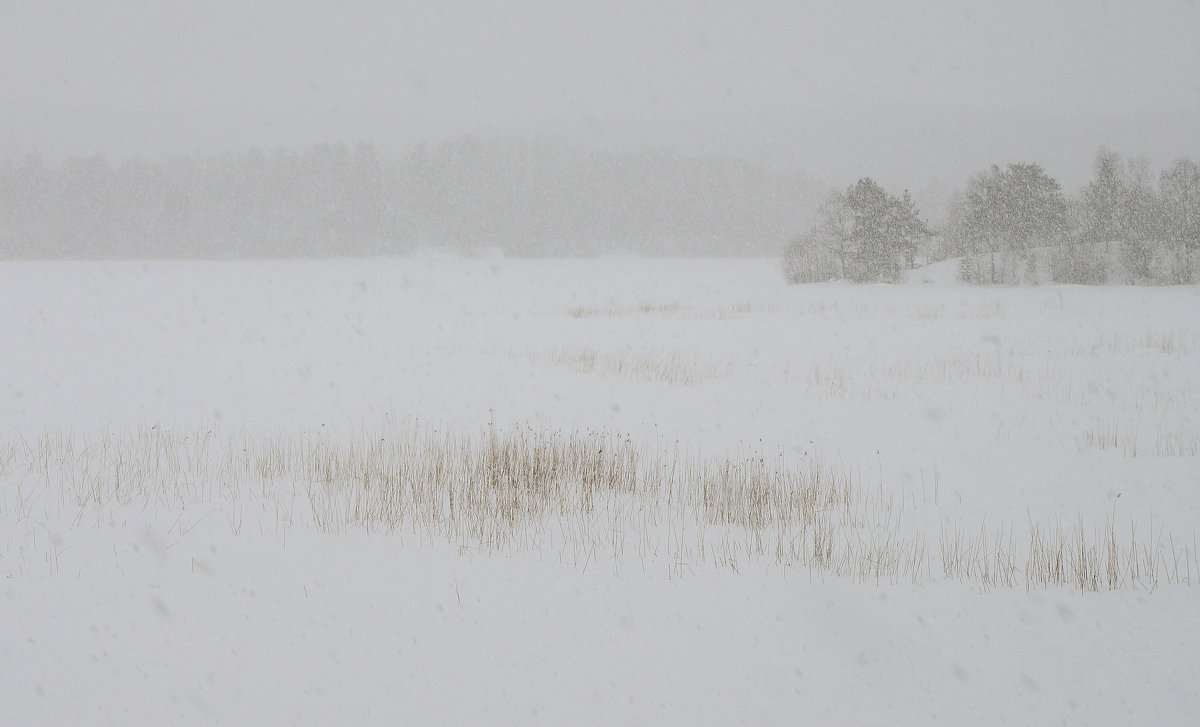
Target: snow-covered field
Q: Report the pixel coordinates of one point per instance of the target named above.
(200, 521)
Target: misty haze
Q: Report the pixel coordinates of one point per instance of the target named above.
(544, 363)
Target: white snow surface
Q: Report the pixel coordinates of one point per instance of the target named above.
(1012, 404)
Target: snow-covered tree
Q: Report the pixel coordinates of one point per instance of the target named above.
(885, 233)
(862, 234)
(824, 252)
(1012, 209)
(1179, 195)
(1002, 216)
(1120, 201)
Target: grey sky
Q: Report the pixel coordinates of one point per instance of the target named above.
(777, 81)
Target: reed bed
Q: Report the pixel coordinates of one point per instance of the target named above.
(587, 496)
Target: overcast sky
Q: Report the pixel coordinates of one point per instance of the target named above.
(845, 88)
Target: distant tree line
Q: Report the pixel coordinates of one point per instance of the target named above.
(1014, 225)
(541, 196)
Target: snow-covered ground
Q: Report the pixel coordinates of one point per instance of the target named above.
(966, 410)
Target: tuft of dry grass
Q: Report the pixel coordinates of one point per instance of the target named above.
(1176, 342)
(665, 367)
(587, 496)
(736, 309)
(639, 308)
(1113, 435)
(1171, 445)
